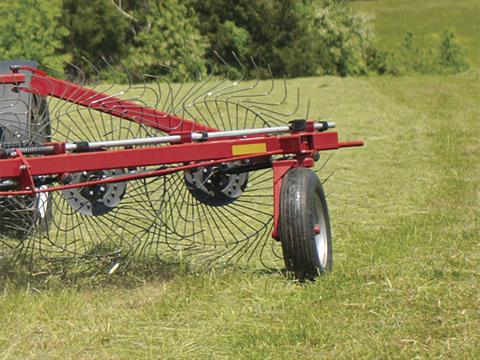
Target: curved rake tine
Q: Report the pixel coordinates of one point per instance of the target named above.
(162, 217)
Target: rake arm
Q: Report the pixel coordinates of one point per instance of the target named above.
(210, 166)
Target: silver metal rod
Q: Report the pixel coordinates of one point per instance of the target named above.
(319, 125)
(130, 142)
(196, 136)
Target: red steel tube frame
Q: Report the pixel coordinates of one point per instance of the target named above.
(191, 154)
(302, 144)
(44, 85)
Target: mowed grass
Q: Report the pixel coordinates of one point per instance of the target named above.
(406, 279)
(429, 18)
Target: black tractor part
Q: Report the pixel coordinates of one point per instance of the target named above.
(24, 121)
(216, 185)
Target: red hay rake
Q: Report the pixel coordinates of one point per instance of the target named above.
(100, 176)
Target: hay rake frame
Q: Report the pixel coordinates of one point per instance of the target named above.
(187, 146)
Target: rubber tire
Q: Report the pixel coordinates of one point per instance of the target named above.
(300, 188)
(24, 224)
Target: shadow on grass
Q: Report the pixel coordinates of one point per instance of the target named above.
(126, 272)
(79, 274)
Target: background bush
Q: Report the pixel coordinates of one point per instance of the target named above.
(419, 55)
(291, 37)
(94, 30)
(30, 29)
(346, 40)
(166, 35)
(279, 33)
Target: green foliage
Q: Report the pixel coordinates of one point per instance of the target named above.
(419, 54)
(291, 36)
(231, 38)
(453, 57)
(167, 37)
(30, 30)
(95, 30)
(174, 38)
(278, 34)
(293, 40)
(345, 40)
(415, 55)
(392, 19)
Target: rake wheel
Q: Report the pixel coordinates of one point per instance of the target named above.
(305, 224)
(170, 172)
(204, 214)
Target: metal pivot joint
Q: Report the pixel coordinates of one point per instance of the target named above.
(204, 169)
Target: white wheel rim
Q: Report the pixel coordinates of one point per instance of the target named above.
(42, 202)
(321, 241)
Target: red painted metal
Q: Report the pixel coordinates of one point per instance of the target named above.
(44, 85)
(183, 156)
(31, 69)
(280, 168)
(14, 79)
(134, 176)
(26, 177)
(160, 155)
(354, 143)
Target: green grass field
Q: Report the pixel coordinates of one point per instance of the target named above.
(405, 211)
(393, 18)
(406, 279)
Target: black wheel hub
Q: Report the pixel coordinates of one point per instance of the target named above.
(97, 199)
(216, 185)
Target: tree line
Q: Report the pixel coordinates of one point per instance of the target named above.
(289, 38)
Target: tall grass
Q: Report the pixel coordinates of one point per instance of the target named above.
(428, 19)
(405, 282)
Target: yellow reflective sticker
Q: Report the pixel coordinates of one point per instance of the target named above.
(249, 149)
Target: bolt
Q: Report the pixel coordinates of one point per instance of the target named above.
(104, 176)
(209, 181)
(91, 193)
(67, 178)
(205, 170)
(84, 173)
(23, 167)
(102, 189)
(316, 229)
